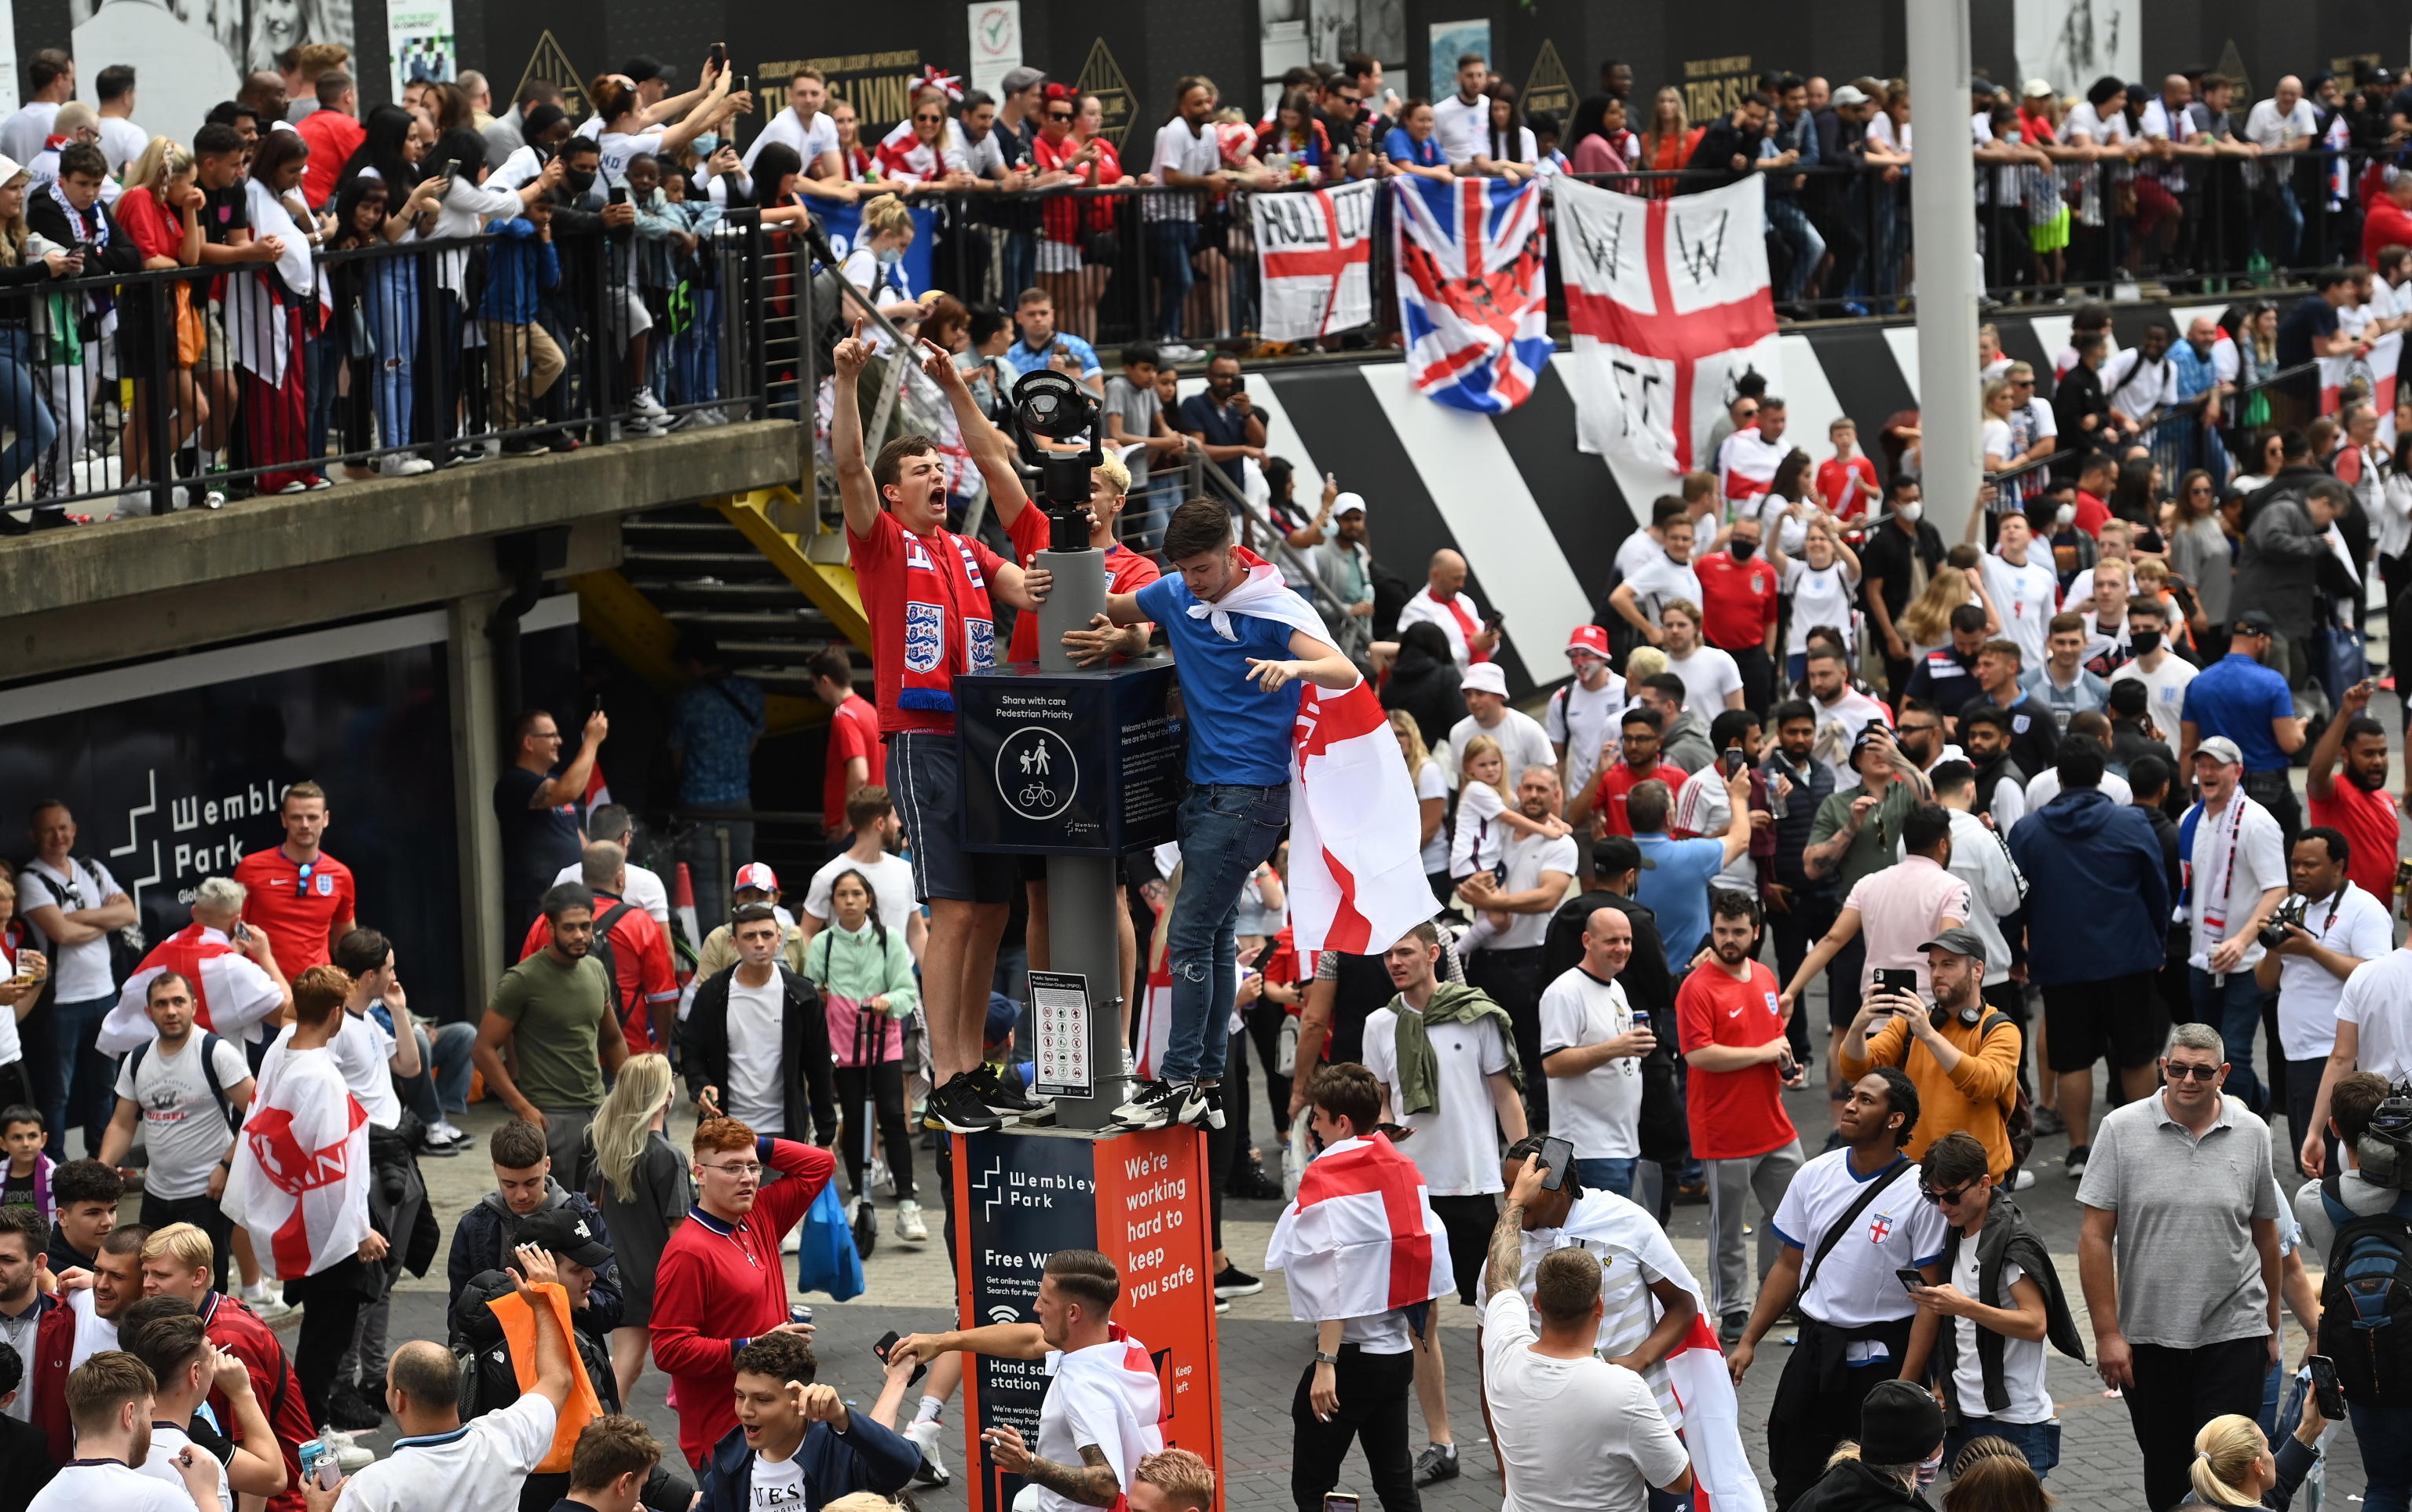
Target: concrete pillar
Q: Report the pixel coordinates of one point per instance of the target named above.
(476, 761)
(1940, 193)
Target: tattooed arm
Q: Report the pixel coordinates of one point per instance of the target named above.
(1092, 1484)
(1507, 1262)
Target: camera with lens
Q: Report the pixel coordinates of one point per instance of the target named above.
(2274, 934)
(2383, 1154)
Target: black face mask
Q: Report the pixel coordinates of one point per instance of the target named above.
(577, 180)
(1742, 549)
(2145, 642)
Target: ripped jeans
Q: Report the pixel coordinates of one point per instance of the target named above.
(1226, 831)
(391, 304)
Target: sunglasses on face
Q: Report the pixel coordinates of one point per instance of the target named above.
(1059, 115)
(1951, 1197)
(2182, 1072)
(926, 120)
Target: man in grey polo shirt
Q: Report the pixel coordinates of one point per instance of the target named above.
(2180, 1192)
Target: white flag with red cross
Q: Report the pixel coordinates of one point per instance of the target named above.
(1315, 254)
(1669, 304)
(301, 1177)
(1360, 1238)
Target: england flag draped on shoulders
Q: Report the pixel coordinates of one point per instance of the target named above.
(1694, 1389)
(1667, 303)
(232, 996)
(1473, 297)
(1361, 1237)
(301, 1174)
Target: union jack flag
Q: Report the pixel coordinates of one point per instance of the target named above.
(1472, 297)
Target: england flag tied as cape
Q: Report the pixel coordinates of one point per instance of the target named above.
(230, 991)
(1667, 301)
(301, 1174)
(1316, 254)
(1473, 299)
(1694, 1389)
(1357, 880)
(1360, 1238)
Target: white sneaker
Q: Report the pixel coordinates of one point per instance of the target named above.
(2026, 1179)
(1176, 352)
(882, 1177)
(644, 404)
(908, 1220)
(267, 1306)
(640, 429)
(925, 1436)
(348, 1455)
(403, 464)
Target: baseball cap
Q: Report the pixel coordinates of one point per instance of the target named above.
(1003, 1014)
(1590, 638)
(1021, 79)
(643, 67)
(755, 874)
(1982, 85)
(565, 1232)
(1349, 504)
(2220, 749)
(1850, 95)
(2253, 622)
(1960, 940)
(2038, 89)
(1614, 855)
(1484, 677)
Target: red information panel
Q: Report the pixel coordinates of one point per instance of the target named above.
(1154, 1223)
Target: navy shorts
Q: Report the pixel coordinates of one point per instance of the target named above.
(925, 778)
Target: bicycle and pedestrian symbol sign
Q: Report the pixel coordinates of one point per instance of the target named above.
(1036, 773)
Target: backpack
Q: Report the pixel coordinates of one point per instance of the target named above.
(2367, 1301)
(601, 951)
(210, 1043)
(2018, 1120)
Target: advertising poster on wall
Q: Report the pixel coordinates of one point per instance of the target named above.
(1450, 42)
(996, 42)
(2074, 42)
(420, 33)
(186, 58)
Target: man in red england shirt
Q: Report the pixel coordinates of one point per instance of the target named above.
(1622, 772)
(856, 756)
(720, 1281)
(1738, 592)
(925, 591)
(1847, 481)
(301, 898)
(1126, 572)
(645, 986)
(2352, 799)
(1732, 1037)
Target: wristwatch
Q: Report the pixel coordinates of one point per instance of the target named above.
(1322, 1359)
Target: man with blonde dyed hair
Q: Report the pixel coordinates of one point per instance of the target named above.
(1168, 1481)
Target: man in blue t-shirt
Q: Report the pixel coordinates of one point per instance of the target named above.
(1040, 345)
(1237, 670)
(2247, 702)
(1676, 874)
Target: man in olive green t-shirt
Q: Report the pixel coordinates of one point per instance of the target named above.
(554, 1011)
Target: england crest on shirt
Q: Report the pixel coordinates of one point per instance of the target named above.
(925, 636)
(1879, 1227)
(980, 637)
(1771, 1006)
(2018, 722)
(325, 883)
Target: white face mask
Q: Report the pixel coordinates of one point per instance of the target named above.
(2065, 515)
(1910, 512)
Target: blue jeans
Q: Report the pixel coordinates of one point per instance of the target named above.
(392, 309)
(1226, 831)
(2039, 1441)
(442, 1085)
(2385, 1434)
(2235, 1007)
(80, 1076)
(1606, 1173)
(1171, 245)
(1808, 248)
(21, 410)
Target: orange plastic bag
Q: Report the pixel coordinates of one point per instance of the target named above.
(584, 1406)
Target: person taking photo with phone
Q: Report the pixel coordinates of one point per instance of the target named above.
(1961, 1055)
(1854, 1230)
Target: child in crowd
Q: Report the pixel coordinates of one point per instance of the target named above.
(1486, 811)
(27, 1183)
(1848, 480)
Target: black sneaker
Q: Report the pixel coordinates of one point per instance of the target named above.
(959, 1108)
(349, 1408)
(1233, 1281)
(1152, 1105)
(1007, 1102)
(1204, 1107)
(2074, 1160)
(1249, 1179)
(1437, 1462)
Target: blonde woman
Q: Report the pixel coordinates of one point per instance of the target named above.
(631, 1170)
(1668, 142)
(1926, 625)
(2233, 1465)
(877, 264)
(160, 212)
(1432, 800)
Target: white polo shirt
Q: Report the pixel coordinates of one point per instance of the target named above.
(1456, 1145)
(2377, 1001)
(809, 141)
(2165, 685)
(1598, 1112)
(1855, 1286)
(2351, 923)
(1461, 129)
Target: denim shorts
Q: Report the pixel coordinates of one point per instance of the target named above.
(925, 778)
(2039, 1441)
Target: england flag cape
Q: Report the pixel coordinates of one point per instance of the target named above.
(1112, 1382)
(1694, 1388)
(1360, 1238)
(1357, 880)
(301, 1178)
(230, 991)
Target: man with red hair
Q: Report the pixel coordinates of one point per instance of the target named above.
(720, 1281)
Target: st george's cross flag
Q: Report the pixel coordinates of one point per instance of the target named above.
(1669, 304)
(230, 991)
(1471, 256)
(301, 1177)
(1315, 252)
(1361, 1237)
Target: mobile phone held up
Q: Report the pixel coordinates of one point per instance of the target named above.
(719, 56)
(887, 1342)
(1895, 979)
(1557, 1159)
(2326, 1389)
(1909, 1278)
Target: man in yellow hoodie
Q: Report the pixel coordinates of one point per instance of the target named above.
(1962, 1056)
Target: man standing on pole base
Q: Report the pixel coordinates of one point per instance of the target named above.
(925, 591)
(1238, 637)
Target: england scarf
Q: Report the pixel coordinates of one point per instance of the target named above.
(1113, 1384)
(1694, 1388)
(231, 994)
(300, 1178)
(1360, 1238)
(1356, 879)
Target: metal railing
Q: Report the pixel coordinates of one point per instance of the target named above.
(133, 392)
(2181, 438)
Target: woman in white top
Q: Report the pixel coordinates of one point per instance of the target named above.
(464, 205)
(624, 127)
(877, 264)
(1995, 441)
(1509, 150)
(1787, 507)
(1432, 800)
(1821, 585)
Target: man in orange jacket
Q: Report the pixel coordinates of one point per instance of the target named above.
(1962, 1056)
